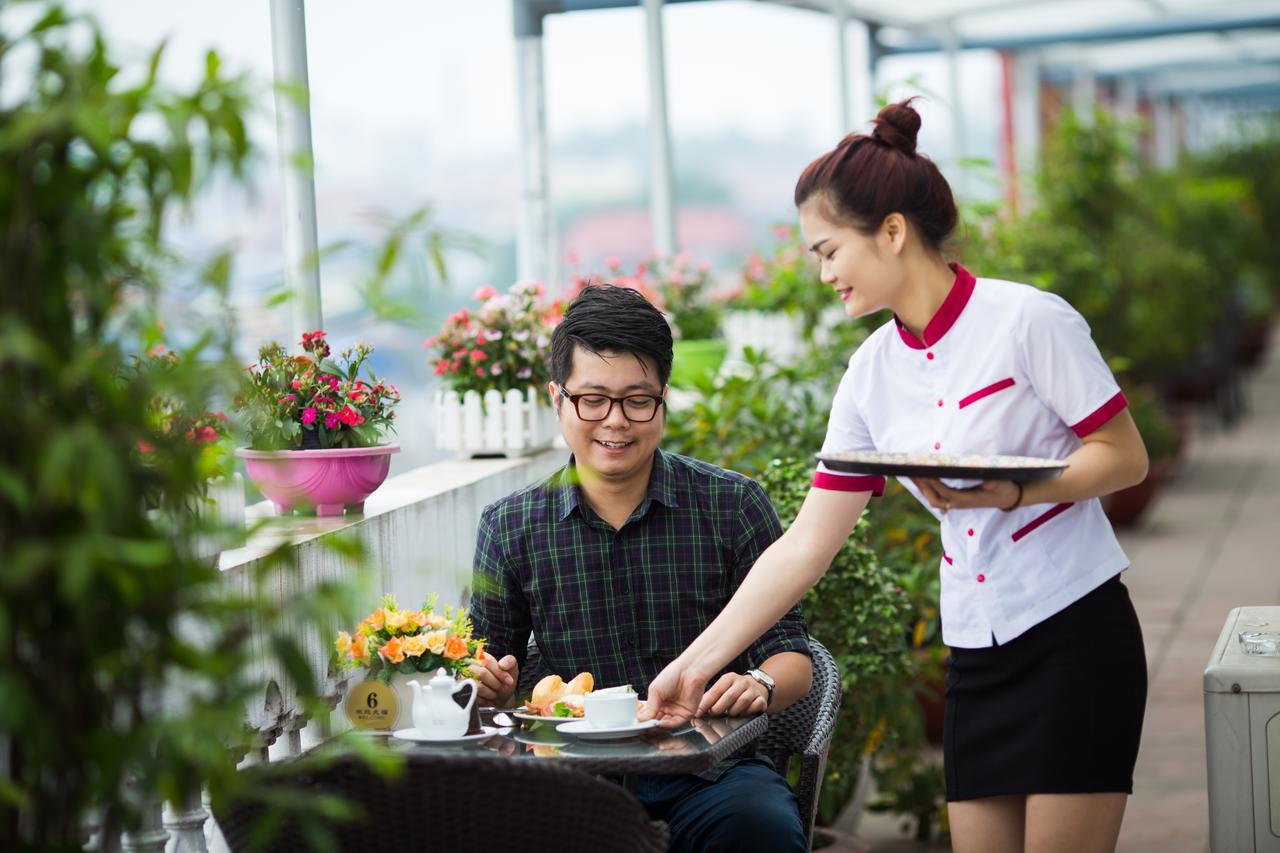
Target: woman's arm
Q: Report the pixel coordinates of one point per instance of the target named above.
(1112, 458)
(782, 575)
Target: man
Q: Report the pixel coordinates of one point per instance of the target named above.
(617, 561)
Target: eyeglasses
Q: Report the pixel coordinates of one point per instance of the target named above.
(637, 408)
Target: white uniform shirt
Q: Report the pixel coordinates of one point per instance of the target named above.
(1004, 368)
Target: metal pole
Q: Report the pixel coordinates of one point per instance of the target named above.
(1084, 93)
(1026, 116)
(960, 179)
(840, 10)
(1127, 98)
(662, 199)
(1162, 128)
(297, 173)
(536, 256)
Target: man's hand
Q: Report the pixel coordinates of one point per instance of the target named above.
(734, 695)
(673, 696)
(497, 679)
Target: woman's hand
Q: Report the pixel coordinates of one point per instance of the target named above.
(997, 494)
(674, 696)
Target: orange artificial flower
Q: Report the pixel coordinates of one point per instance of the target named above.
(455, 648)
(398, 621)
(435, 641)
(393, 650)
(359, 648)
(479, 652)
(414, 646)
(436, 621)
(373, 622)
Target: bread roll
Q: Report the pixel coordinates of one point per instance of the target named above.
(547, 691)
(582, 683)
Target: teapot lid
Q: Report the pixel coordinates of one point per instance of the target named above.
(442, 679)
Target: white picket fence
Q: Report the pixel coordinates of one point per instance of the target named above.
(779, 335)
(516, 423)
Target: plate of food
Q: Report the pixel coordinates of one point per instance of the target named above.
(954, 466)
(555, 701)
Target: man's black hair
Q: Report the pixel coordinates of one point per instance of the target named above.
(604, 318)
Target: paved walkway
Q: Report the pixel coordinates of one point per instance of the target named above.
(1203, 549)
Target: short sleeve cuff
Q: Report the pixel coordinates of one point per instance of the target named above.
(1101, 415)
(848, 482)
(776, 645)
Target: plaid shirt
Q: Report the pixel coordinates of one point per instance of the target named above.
(621, 604)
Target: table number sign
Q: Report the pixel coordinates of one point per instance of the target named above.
(372, 704)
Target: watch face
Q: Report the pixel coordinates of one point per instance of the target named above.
(763, 677)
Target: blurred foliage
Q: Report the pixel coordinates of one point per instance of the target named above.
(125, 662)
(784, 281)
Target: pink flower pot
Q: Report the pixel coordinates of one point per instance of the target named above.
(327, 481)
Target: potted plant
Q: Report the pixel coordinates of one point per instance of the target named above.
(780, 302)
(395, 646)
(493, 361)
(314, 426)
(681, 289)
(1126, 507)
(217, 502)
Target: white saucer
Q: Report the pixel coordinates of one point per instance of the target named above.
(417, 737)
(586, 731)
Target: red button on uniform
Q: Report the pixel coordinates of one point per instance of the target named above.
(970, 531)
(937, 445)
(929, 356)
(939, 402)
(982, 578)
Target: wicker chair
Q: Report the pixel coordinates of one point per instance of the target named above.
(451, 801)
(804, 729)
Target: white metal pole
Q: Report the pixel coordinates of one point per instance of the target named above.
(1084, 93)
(1164, 131)
(1127, 98)
(536, 256)
(662, 198)
(1026, 117)
(297, 173)
(952, 42)
(840, 11)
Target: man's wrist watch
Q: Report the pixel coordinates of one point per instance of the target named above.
(767, 680)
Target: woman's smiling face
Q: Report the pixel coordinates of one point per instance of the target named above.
(862, 270)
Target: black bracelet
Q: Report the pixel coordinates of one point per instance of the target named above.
(1017, 501)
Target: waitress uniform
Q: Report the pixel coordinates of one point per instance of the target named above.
(1047, 680)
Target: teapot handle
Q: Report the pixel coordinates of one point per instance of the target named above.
(475, 691)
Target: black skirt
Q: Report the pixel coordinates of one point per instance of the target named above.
(1057, 710)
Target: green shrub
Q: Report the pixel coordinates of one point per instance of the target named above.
(857, 611)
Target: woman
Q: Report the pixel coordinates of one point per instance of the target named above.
(1047, 680)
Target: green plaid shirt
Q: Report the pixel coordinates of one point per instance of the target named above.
(621, 604)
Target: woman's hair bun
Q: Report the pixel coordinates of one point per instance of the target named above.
(897, 125)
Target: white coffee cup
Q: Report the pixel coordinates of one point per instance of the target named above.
(610, 710)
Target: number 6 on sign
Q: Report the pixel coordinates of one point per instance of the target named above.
(372, 705)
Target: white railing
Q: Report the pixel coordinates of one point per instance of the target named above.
(418, 535)
(514, 423)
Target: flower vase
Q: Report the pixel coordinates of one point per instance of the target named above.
(696, 360)
(326, 482)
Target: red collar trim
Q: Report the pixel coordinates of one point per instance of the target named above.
(947, 314)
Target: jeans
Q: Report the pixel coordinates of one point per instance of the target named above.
(748, 808)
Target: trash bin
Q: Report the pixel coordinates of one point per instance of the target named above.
(1242, 734)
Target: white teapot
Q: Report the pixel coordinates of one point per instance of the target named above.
(435, 714)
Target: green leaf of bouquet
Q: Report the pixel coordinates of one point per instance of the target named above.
(406, 666)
